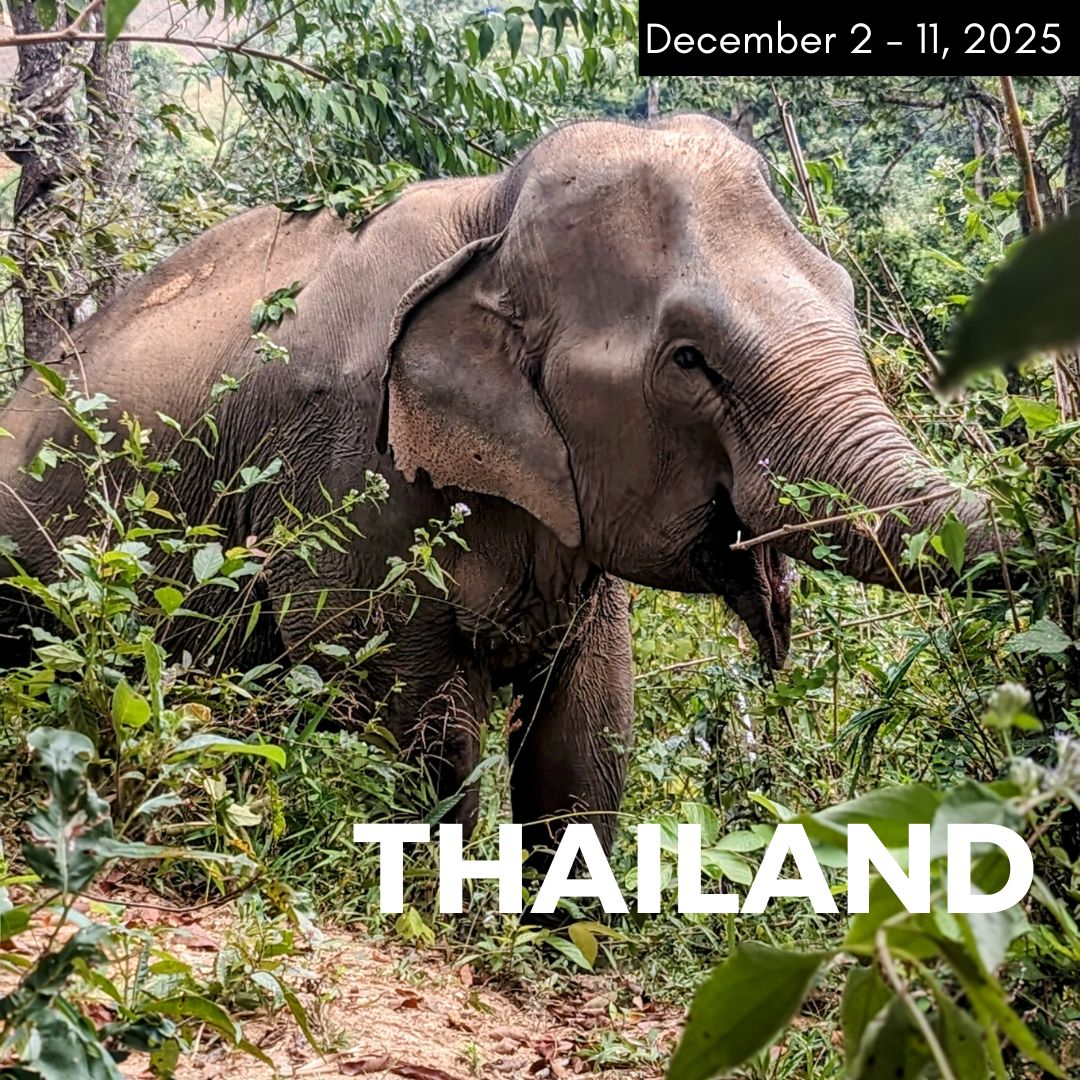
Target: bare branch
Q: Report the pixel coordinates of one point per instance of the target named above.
(836, 519)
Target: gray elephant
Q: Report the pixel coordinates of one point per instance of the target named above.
(607, 352)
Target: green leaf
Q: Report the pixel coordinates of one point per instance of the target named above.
(1037, 415)
(991, 1005)
(1044, 637)
(52, 378)
(68, 832)
(196, 1007)
(1030, 303)
(891, 1047)
(169, 599)
(62, 657)
(585, 940)
(743, 1005)
(117, 13)
(208, 743)
(13, 921)
(740, 841)
(209, 559)
(865, 995)
(962, 1039)
(129, 709)
(733, 867)
(951, 541)
(888, 811)
(570, 950)
(514, 28)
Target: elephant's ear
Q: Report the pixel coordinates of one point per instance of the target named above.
(457, 402)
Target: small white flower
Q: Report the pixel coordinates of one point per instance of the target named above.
(1026, 775)
(1066, 774)
(460, 509)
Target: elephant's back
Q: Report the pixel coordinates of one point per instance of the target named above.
(162, 342)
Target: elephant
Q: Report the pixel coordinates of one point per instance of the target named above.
(608, 352)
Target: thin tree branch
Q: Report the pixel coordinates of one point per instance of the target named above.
(807, 526)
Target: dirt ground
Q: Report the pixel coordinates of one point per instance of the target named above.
(403, 1014)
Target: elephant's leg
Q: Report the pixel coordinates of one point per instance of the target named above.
(572, 730)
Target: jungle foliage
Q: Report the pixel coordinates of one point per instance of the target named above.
(214, 783)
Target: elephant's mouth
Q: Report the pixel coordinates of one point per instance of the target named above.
(754, 581)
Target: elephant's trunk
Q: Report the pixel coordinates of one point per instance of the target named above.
(857, 447)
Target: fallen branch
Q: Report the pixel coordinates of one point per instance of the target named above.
(835, 519)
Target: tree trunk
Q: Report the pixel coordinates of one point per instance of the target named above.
(652, 103)
(48, 155)
(112, 139)
(743, 115)
(1072, 157)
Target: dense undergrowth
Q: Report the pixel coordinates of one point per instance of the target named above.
(219, 782)
(210, 782)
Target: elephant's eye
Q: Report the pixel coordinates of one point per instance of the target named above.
(687, 357)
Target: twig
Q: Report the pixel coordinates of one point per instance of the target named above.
(218, 901)
(806, 526)
(935, 364)
(791, 136)
(892, 976)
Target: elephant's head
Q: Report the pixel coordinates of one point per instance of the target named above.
(634, 344)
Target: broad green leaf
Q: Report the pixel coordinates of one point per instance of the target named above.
(514, 28)
(208, 743)
(1031, 302)
(196, 1007)
(951, 541)
(740, 841)
(13, 921)
(209, 559)
(1037, 415)
(742, 1006)
(1044, 637)
(864, 996)
(888, 811)
(585, 940)
(962, 1039)
(570, 950)
(169, 599)
(129, 709)
(911, 935)
(68, 832)
(695, 813)
(990, 1004)
(117, 13)
(62, 657)
(733, 867)
(891, 1047)
(51, 377)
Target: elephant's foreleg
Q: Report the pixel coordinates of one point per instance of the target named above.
(571, 732)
